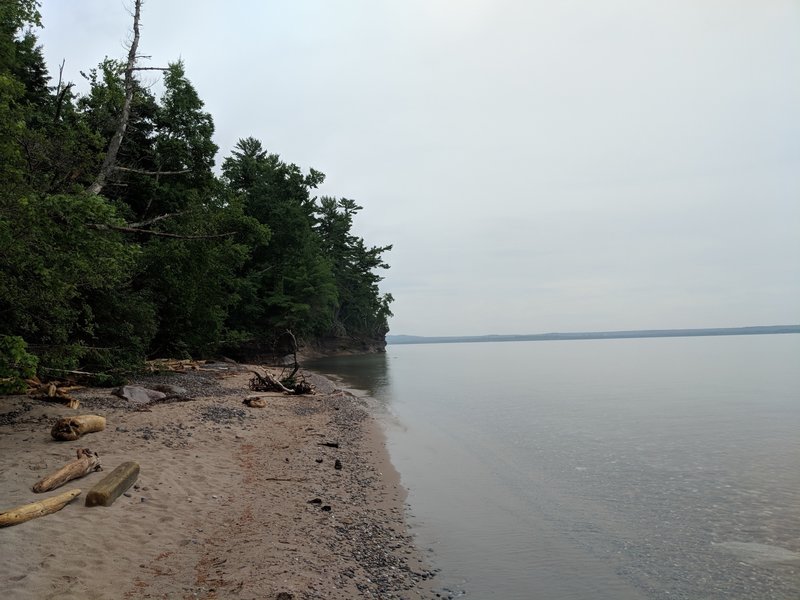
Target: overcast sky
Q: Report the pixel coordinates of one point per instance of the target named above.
(538, 165)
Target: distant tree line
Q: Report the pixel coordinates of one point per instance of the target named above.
(159, 256)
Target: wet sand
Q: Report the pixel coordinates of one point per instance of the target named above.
(231, 502)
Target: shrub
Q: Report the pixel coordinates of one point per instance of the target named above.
(16, 364)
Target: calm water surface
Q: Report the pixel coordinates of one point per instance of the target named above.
(604, 469)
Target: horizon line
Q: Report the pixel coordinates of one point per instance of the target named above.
(792, 328)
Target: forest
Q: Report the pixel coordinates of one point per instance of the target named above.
(120, 242)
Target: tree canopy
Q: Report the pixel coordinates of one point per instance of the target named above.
(168, 258)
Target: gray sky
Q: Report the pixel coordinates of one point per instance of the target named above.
(538, 165)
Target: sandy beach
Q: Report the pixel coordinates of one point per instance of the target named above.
(231, 501)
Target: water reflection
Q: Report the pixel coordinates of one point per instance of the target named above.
(368, 372)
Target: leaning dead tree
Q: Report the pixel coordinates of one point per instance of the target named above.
(110, 159)
(110, 165)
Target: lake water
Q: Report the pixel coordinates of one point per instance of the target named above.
(604, 469)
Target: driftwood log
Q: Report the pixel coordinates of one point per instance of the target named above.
(87, 462)
(69, 429)
(26, 512)
(55, 392)
(113, 485)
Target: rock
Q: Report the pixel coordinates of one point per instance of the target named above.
(171, 390)
(138, 395)
(284, 596)
(337, 465)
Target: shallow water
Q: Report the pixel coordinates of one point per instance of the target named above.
(604, 469)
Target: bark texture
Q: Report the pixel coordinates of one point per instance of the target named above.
(69, 429)
(87, 462)
(26, 512)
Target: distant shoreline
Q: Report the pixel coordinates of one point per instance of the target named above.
(595, 335)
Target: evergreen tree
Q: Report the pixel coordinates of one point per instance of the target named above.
(288, 283)
(361, 310)
(170, 259)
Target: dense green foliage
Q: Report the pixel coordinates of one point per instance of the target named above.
(169, 259)
(16, 364)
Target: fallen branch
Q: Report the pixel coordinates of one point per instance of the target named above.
(71, 372)
(55, 393)
(87, 462)
(267, 383)
(69, 429)
(26, 512)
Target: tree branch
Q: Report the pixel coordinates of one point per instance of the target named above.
(60, 92)
(156, 219)
(146, 172)
(103, 227)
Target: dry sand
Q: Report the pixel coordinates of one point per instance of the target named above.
(222, 507)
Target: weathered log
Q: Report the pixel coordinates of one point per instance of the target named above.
(113, 485)
(26, 512)
(70, 429)
(87, 462)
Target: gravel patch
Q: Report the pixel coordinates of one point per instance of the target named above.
(223, 415)
(12, 417)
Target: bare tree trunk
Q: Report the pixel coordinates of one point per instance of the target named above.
(113, 148)
(87, 462)
(294, 353)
